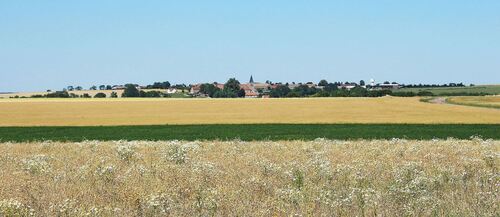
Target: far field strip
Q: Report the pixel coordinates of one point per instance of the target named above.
(112, 112)
(251, 132)
(478, 101)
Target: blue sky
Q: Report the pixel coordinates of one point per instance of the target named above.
(51, 44)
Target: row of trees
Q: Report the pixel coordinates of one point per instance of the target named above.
(329, 90)
(155, 85)
(101, 87)
(434, 85)
(65, 94)
(159, 85)
(132, 91)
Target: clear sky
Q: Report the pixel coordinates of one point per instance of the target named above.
(52, 44)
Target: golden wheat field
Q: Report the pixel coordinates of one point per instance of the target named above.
(234, 178)
(91, 112)
(481, 101)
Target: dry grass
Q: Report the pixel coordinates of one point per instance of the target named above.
(480, 101)
(91, 112)
(317, 178)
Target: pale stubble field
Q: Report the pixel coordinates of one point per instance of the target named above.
(235, 178)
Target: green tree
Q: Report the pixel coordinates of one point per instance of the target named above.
(130, 91)
(114, 95)
(362, 83)
(330, 87)
(150, 94)
(93, 88)
(323, 83)
(322, 93)
(293, 94)
(166, 85)
(241, 93)
(159, 85)
(102, 87)
(232, 85)
(208, 89)
(304, 90)
(358, 92)
(279, 91)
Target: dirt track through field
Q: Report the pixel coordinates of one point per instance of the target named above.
(439, 100)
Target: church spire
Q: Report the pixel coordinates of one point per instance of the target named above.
(251, 79)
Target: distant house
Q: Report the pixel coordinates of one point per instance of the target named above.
(250, 91)
(346, 86)
(251, 88)
(220, 86)
(263, 86)
(195, 89)
(294, 85)
(118, 87)
(390, 86)
(383, 86)
(171, 90)
(311, 85)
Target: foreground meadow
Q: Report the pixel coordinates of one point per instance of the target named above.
(109, 112)
(321, 178)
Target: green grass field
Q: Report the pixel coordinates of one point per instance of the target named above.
(250, 132)
(490, 89)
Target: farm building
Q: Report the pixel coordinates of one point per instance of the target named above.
(195, 89)
(250, 91)
(171, 90)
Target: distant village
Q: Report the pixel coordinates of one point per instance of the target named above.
(263, 89)
(251, 89)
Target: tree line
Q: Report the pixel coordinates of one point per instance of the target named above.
(232, 89)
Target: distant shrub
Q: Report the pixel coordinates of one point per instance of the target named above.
(100, 95)
(404, 94)
(58, 94)
(293, 95)
(150, 94)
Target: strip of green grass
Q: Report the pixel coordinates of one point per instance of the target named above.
(249, 132)
(450, 101)
(489, 89)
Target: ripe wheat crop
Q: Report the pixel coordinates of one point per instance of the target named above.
(94, 112)
(235, 178)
